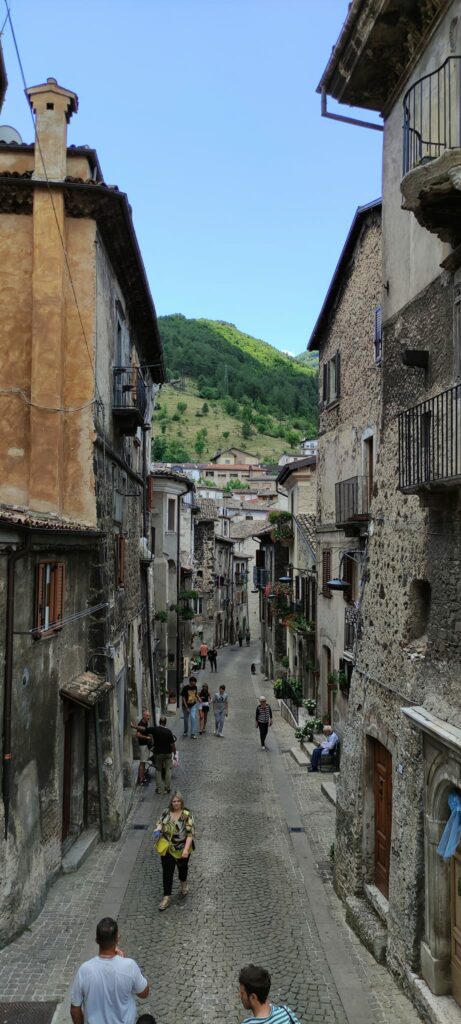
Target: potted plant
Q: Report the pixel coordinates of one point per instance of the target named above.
(161, 616)
(310, 705)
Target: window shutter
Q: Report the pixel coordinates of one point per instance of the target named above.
(325, 384)
(260, 558)
(378, 325)
(338, 379)
(57, 596)
(40, 596)
(326, 572)
(298, 585)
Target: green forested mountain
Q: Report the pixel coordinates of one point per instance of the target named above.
(244, 390)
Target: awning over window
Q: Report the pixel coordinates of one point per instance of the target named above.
(87, 689)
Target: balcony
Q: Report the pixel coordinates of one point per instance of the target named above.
(430, 443)
(129, 404)
(432, 151)
(351, 500)
(260, 577)
(351, 628)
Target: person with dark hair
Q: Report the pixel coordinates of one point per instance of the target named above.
(263, 720)
(204, 707)
(189, 700)
(213, 659)
(145, 745)
(255, 983)
(146, 1018)
(108, 980)
(164, 747)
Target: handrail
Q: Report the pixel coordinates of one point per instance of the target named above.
(431, 114)
(430, 441)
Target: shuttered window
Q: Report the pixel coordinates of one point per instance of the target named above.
(120, 543)
(171, 515)
(331, 380)
(378, 335)
(326, 572)
(49, 608)
(348, 574)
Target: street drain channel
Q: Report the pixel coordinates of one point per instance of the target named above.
(27, 1013)
(140, 828)
(296, 828)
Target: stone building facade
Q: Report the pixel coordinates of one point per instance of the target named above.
(401, 757)
(77, 331)
(347, 339)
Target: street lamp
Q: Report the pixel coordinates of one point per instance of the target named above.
(338, 583)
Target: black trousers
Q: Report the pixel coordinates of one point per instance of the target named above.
(263, 730)
(168, 865)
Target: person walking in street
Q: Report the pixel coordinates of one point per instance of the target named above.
(212, 658)
(189, 699)
(203, 653)
(145, 745)
(263, 719)
(221, 709)
(247, 637)
(328, 745)
(240, 637)
(176, 825)
(255, 983)
(204, 707)
(104, 987)
(164, 747)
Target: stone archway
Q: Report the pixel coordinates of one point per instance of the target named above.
(444, 775)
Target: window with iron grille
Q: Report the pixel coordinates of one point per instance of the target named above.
(326, 572)
(49, 606)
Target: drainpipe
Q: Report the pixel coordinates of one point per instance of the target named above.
(178, 585)
(13, 557)
(145, 568)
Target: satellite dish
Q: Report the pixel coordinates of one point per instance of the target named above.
(9, 134)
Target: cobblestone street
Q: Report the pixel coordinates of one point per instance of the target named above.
(260, 883)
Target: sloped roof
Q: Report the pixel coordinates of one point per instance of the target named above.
(355, 229)
(23, 518)
(207, 508)
(240, 531)
(306, 523)
(293, 467)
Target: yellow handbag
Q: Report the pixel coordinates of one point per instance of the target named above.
(161, 846)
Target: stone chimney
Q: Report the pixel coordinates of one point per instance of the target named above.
(53, 107)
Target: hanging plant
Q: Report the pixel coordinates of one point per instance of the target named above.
(186, 613)
(282, 525)
(161, 616)
(188, 595)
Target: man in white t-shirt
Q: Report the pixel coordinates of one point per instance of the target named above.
(104, 987)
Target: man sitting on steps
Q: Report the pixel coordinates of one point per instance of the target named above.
(327, 747)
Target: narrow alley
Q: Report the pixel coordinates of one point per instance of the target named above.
(260, 883)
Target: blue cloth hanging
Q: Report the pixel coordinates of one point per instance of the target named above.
(451, 834)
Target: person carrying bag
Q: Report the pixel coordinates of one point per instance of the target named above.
(174, 841)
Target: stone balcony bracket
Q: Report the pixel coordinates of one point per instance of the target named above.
(432, 192)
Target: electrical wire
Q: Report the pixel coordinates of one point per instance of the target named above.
(47, 408)
(47, 180)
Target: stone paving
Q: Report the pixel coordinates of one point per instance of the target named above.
(259, 892)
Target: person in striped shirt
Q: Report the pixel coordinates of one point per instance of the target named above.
(263, 719)
(255, 983)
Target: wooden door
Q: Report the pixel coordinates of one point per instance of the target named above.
(383, 816)
(456, 926)
(67, 770)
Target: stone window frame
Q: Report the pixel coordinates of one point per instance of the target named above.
(331, 380)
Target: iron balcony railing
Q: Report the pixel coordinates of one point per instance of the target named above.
(351, 628)
(130, 391)
(260, 577)
(351, 500)
(431, 115)
(430, 441)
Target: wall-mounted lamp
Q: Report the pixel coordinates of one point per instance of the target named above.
(338, 583)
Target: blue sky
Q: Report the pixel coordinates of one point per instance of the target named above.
(205, 113)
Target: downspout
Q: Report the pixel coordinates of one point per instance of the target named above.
(341, 117)
(13, 557)
(178, 584)
(145, 569)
